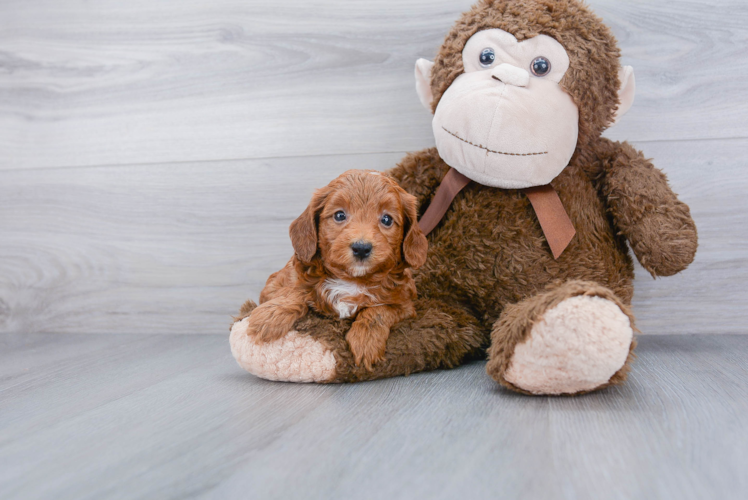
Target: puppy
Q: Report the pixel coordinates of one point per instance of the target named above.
(355, 246)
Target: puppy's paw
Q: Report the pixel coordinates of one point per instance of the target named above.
(245, 311)
(268, 322)
(366, 347)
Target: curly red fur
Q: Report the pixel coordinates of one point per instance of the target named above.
(325, 275)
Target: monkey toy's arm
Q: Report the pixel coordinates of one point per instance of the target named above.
(645, 210)
(420, 174)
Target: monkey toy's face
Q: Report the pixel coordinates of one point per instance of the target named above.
(506, 122)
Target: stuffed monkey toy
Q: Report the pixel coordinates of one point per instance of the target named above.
(530, 215)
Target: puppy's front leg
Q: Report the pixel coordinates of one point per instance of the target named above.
(273, 319)
(368, 335)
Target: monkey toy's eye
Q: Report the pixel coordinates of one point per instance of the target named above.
(540, 66)
(386, 220)
(487, 57)
(339, 216)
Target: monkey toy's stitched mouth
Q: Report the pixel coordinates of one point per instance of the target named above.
(479, 146)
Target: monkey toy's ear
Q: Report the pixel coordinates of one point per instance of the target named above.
(626, 92)
(423, 82)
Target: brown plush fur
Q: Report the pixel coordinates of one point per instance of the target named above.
(490, 272)
(324, 256)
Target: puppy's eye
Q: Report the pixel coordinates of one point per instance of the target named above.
(339, 216)
(386, 220)
(540, 66)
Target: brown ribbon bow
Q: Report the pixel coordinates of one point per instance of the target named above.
(554, 220)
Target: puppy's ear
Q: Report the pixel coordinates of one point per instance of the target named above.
(303, 230)
(415, 245)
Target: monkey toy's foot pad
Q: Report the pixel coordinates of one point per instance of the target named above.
(293, 358)
(577, 346)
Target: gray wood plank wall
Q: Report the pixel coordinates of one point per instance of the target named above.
(153, 153)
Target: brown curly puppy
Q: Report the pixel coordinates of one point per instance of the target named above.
(490, 285)
(355, 244)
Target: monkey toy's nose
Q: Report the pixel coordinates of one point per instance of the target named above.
(361, 250)
(511, 75)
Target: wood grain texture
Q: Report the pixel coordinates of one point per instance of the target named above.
(177, 248)
(130, 236)
(153, 248)
(152, 155)
(137, 416)
(105, 82)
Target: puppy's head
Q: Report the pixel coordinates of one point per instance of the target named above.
(361, 223)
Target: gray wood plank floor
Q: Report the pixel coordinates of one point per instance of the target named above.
(138, 416)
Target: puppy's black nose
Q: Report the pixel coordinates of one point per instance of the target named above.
(361, 250)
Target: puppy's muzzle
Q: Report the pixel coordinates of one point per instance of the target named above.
(361, 250)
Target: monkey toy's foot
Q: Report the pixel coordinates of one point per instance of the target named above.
(576, 338)
(292, 358)
(440, 336)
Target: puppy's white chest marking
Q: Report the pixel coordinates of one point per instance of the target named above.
(340, 294)
(345, 309)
